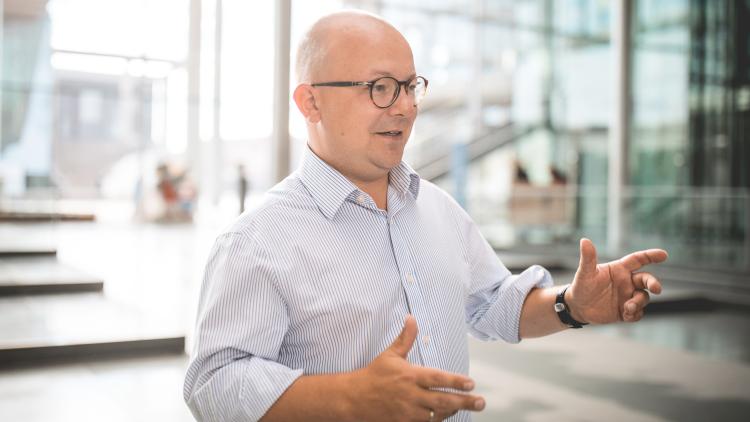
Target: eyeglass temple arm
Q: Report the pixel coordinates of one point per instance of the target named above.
(342, 84)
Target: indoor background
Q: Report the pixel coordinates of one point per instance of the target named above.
(133, 131)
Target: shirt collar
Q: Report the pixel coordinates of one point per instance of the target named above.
(330, 189)
(405, 180)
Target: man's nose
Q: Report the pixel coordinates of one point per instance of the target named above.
(404, 104)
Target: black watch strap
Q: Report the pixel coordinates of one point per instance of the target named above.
(563, 311)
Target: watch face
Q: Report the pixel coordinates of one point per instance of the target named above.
(559, 307)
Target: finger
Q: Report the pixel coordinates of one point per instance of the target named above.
(636, 304)
(435, 378)
(634, 318)
(427, 414)
(636, 260)
(444, 404)
(647, 281)
(404, 342)
(588, 261)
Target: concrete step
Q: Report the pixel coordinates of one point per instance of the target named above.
(19, 240)
(42, 274)
(41, 216)
(22, 251)
(17, 357)
(84, 326)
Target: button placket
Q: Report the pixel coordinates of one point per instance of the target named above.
(414, 296)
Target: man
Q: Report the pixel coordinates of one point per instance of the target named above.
(348, 294)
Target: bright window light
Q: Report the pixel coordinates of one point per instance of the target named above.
(88, 63)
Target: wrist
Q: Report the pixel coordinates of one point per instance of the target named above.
(349, 389)
(573, 308)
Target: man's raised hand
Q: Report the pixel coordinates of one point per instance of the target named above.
(613, 291)
(392, 389)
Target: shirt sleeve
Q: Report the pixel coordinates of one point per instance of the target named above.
(233, 373)
(495, 297)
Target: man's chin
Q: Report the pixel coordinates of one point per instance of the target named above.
(388, 162)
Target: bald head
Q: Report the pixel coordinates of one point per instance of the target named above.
(346, 128)
(339, 33)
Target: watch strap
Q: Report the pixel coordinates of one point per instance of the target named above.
(563, 311)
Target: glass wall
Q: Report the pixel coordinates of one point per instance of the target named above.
(689, 146)
(97, 95)
(516, 123)
(93, 95)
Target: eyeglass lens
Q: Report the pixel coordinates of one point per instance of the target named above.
(385, 90)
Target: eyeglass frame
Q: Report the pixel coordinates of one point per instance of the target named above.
(371, 83)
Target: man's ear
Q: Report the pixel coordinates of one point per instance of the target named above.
(304, 97)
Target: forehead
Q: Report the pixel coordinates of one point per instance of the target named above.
(357, 52)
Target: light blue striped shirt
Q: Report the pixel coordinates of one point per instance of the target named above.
(319, 280)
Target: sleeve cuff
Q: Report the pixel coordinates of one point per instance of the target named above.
(265, 381)
(260, 384)
(505, 313)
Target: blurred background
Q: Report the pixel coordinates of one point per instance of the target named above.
(133, 131)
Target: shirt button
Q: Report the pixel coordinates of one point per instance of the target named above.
(361, 199)
(426, 340)
(410, 278)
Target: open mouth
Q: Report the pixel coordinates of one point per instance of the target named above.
(390, 133)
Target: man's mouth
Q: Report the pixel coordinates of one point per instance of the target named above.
(390, 133)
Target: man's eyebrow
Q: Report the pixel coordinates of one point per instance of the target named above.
(384, 73)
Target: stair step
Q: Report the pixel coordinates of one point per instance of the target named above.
(67, 353)
(41, 216)
(84, 326)
(23, 251)
(43, 274)
(28, 239)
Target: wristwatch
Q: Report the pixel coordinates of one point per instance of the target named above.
(563, 311)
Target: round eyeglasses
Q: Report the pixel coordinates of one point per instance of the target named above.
(384, 91)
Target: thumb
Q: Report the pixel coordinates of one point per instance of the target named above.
(405, 340)
(587, 264)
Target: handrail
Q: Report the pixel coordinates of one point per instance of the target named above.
(439, 163)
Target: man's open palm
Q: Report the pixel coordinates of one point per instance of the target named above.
(613, 291)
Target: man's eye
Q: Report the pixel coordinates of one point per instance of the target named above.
(379, 88)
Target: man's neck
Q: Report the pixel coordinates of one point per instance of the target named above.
(378, 190)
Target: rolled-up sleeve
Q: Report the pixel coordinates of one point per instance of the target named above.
(496, 297)
(234, 372)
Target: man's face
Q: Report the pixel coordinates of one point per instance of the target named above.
(361, 140)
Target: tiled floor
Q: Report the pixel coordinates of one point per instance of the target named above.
(587, 376)
(133, 390)
(722, 334)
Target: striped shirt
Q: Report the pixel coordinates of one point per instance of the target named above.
(319, 280)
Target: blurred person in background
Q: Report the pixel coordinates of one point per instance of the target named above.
(242, 186)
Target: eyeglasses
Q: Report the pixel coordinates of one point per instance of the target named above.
(384, 91)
